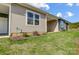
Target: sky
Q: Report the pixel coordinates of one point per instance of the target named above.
(68, 11)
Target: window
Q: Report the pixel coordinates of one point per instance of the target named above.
(36, 19)
(32, 18)
(62, 25)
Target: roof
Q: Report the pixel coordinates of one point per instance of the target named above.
(40, 11)
(64, 20)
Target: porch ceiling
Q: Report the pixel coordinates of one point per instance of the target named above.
(51, 18)
(4, 9)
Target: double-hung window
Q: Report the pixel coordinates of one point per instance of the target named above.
(36, 19)
(32, 18)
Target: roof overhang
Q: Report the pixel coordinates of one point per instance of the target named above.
(64, 20)
(4, 9)
(30, 7)
(49, 16)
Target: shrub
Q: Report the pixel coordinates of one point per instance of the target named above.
(12, 34)
(35, 33)
(16, 36)
(25, 34)
(44, 33)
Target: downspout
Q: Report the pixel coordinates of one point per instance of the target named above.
(10, 20)
(59, 24)
(46, 23)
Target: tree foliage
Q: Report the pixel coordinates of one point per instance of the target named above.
(74, 25)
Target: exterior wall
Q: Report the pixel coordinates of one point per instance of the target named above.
(18, 20)
(67, 26)
(56, 28)
(53, 26)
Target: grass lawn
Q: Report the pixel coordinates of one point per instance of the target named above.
(51, 43)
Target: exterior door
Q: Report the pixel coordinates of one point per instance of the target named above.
(3, 25)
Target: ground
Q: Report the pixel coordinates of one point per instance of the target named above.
(52, 43)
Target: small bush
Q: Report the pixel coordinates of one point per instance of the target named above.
(44, 33)
(35, 33)
(12, 34)
(16, 36)
(25, 35)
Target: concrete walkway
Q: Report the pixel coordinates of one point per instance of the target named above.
(4, 36)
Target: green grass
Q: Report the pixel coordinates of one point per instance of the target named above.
(51, 43)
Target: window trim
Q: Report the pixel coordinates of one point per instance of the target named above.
(26, 17)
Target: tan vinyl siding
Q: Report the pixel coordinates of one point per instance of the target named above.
(18, 19)
(56, 28)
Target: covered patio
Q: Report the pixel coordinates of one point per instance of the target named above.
(4, 20)
(52, 24)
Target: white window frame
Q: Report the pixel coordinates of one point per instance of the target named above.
(33, 18)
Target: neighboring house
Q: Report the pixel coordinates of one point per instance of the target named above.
(21, 17)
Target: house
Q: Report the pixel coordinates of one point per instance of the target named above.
(20, 17)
